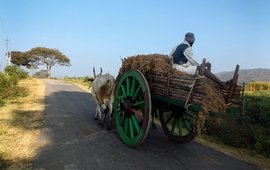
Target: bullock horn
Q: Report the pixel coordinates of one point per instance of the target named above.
(100, 70)
(94, 71)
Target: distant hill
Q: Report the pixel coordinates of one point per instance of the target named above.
(246, 75)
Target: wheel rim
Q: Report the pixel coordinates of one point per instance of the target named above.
(179, 126)
(132, 106)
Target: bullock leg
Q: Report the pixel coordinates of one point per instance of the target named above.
(105, 113)
(110, 121)
(99, 115)
(96, 115)
(110, 116)
(97, 110)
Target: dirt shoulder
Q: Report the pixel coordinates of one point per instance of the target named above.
(244, 155)
(20, 122)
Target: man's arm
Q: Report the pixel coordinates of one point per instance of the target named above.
(189, 55)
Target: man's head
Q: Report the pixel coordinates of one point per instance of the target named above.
(189, 37)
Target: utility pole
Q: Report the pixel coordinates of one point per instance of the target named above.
(8, 54)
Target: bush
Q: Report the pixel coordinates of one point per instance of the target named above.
(228, 129)
(15, 71)
(257, 108)
(9, 81)
(251, 131)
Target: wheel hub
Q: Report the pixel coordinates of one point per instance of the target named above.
(178, 112)
(128, 106)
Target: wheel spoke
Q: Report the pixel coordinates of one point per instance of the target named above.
(128, 86)
(123, 90)
(138, 103)
(126, 126)
(173, 126)
(122, 120)
(131, 128)
(120, 99)
(135, 123)
(180, 127)
(170, 118)
(137, 113)
(133, 85)
(117, 110)
(187, 125)
(136, 93)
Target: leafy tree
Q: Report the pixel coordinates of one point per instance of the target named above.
(22, 59)
(48, 57)
(40, 56)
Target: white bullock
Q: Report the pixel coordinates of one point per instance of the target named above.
(103, 88)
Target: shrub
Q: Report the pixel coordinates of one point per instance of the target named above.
(15, 71)
(251, 131)
(257, 108)
(8, 83)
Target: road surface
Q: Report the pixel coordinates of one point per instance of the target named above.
(72, 140)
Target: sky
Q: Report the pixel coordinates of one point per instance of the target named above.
(99, 33)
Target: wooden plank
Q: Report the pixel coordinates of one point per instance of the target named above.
(233, 84)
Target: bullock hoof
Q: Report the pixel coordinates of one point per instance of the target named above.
(95, 118)
(101, 125)
(109, 128)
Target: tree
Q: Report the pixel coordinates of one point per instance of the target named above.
(22, 59)
(48, 57)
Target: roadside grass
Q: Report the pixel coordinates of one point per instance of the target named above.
(79, 81)
(245, 136)
(20, 121)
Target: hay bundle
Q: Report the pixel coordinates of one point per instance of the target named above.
(214, 100)
(153, 63)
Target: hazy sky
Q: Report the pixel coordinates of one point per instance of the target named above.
(99, 33)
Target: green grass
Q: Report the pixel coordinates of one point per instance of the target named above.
(251, 131)
(81, 81)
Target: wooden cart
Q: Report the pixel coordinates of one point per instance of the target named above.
(138, 96)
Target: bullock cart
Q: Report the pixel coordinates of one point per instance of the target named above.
(175, 99)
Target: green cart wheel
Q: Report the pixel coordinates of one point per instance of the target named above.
(178, 125)
(132, 105)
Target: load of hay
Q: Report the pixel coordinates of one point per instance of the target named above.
(158, 64)
(152, 63)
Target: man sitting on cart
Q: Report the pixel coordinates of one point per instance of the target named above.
(182, 58)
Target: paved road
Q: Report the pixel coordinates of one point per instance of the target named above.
(74, 141)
